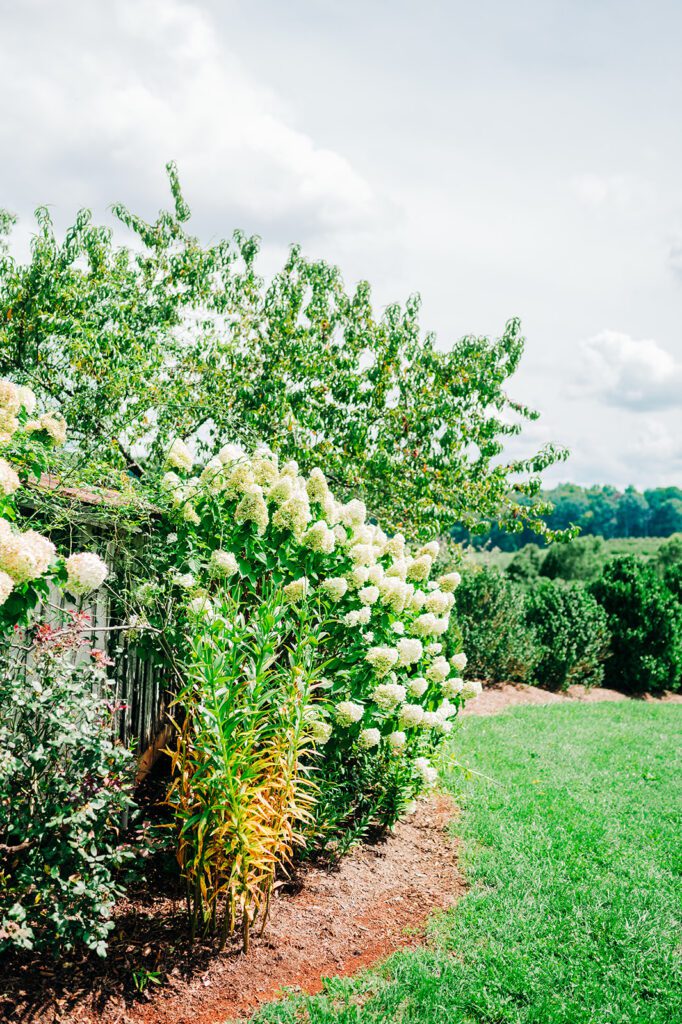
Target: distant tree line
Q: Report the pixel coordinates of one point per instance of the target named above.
(597, 511)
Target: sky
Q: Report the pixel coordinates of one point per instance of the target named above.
(500, 159)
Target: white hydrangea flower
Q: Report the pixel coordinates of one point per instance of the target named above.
(410, 650)
(419, 568)
(434, 649)
(358, 576)
(9, 424)
(6, 586)
(335, 587)
(363, 534)
(252, 509)
(211, 476)
(431, 549)
(417, 687)
(222, 563)
(447, 710)
(352, 619)
(27, 399)
(54, 425)
(452, 687)
(426, 771)
(431, 720)
(320, 732)
(9, 478)
(180, 456)
(348, 713)
(353, 513)
(201, 607)
(459, 661)
(411, 715)
(24, 556)
(172, 538)
(387, 696)
(395, 546)
(320, 538)
(231, 453)
(397, 740)
(375, 574)
(444, 727)
(369, 595)
(393, 591)
(293, 514)
(438, 602)
(471, 688)
(281, 490)
(368, 637)
(398, 567)
(425, 625)
(9, 396)
(438, 670)
(184, 580)
(86, 571)
(369, 738)
(190, 515)
(264, 469)
(362, 554)
(382, 659)
(364, 615)
(441, 625)
(449, 582)
(418, 600)
(398, 627)
(317, 486)
(296, 591)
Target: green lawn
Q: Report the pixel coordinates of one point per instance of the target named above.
(574, 856)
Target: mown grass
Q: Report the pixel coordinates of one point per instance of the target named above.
(573, 851)
(643, 547)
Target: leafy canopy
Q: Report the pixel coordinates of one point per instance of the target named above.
(137, 343)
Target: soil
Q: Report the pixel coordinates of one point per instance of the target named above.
(498, 697)
(333, 923)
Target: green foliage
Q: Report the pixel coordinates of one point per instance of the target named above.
(673, 580)
(491, 622)
(571, 634)
(239, 792)
(645, 622)
(167, 337)
(526, 564)
(670, 553)
(65, 786)
(580, 559)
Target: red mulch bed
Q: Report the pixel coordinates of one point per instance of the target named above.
(331, 922)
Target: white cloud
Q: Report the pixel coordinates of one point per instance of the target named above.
(620, 190)
(144, 81)
(632, 373)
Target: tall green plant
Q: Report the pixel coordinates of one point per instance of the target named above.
(239, 792)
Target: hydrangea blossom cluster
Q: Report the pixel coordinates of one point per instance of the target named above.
(26, 555)
(391, 686)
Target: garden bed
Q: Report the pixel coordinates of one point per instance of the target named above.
(326, 923)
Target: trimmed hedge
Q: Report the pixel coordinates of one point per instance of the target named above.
(571, 632)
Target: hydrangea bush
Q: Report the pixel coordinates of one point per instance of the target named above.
(28, 559)
(388, 693)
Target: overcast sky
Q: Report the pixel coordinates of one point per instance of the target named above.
(501, 159)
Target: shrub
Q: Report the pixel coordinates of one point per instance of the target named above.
(526, 564)
(673, 581)
(579, 559)
(669, 553)
(64, 788)
(389, 692)
(571, 634)
(491, 620)
(645, 622)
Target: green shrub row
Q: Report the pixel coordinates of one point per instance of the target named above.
(622, 629)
